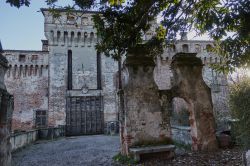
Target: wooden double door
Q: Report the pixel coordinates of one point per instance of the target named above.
(84, 115)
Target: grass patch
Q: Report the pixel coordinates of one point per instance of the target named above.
(127, 160)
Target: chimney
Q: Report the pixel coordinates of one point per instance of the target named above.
(45, 45)
(184, 35)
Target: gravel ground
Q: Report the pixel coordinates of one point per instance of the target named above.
(70, 151)
(99, 150)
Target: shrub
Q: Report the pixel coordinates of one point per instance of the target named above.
(240, 110)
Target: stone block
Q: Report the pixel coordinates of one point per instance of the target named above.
(153, 151)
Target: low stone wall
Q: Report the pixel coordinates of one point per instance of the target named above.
(19, 140)
(22, 139)
(181, 134)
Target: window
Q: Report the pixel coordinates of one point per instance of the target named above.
(34, 58)
(41, 118)
(71, 20)
(185, 48)
(84, 20)
(22, 58)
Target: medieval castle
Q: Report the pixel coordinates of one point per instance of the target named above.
(69, 83)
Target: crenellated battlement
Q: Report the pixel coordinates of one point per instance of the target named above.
(26, 63)
(202, 48)
(70, 30)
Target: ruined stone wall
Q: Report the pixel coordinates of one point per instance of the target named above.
(27, 81)
(217, 82)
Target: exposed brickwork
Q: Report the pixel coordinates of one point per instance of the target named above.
(27, 81)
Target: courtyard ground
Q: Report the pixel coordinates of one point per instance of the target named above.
(70, 151)
(99, 150)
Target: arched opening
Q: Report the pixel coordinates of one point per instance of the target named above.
(185, 48)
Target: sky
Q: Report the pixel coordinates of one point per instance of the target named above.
(23, 28)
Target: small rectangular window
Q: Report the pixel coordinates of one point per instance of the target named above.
(71, 20)
(84, 20)
(34, 58)
(41, 118)
(22, 58)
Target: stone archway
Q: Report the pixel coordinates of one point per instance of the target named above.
(189, 85)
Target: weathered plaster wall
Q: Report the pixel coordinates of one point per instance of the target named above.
(217, 82)
(27, 81)
(145, 122)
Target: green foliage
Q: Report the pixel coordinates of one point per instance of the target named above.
(240, 109)
(18, 3)
(123, 23)
(127, 160)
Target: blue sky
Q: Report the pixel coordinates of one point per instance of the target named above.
(22, 29)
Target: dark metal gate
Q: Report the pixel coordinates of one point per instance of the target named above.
(84, 115)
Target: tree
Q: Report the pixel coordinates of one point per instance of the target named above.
(123, 23)
(240, 104)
